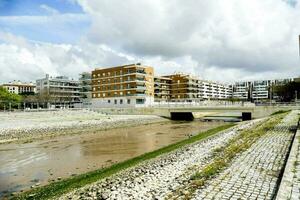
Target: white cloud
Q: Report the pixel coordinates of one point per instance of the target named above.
(218, 40)
(251, 37)
(27, 61)
(49, 9)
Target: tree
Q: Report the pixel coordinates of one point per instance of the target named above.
(7, 99)
(287, 92)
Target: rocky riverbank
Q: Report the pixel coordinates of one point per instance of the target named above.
(26, 126)
(253, 174)
(157, 178)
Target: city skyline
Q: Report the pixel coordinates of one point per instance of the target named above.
(223, 42)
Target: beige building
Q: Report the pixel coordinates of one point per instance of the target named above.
(123, 86)
(162, 88)
(18, 87)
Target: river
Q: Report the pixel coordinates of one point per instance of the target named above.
(23, 166)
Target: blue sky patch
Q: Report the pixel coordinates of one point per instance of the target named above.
(55, 21)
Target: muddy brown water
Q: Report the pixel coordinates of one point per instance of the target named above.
(38, 163)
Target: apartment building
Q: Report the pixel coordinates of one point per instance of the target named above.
(60, 90)
(162, 88)
(241, 90)
(187, 88)
(18, 87)
(213, 90)
(184, 88)
(123, 86)
(85, 83)
(258, 90)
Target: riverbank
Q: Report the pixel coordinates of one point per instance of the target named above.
(29, 126)
(61, 187)
(244, 162)
(40, 162)
(183, 169)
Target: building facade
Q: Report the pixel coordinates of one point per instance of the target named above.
(258, 90)
(59, 91)
(241, 90)
(187, 88)
(184, 88)
(123, 86)
(213, 90)
(162, 89)
(17, 87)
(85, 83)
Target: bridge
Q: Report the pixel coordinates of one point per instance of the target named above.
(200, 111)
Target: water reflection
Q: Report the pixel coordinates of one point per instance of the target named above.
(40, 162)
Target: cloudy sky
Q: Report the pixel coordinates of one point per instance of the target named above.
(214, 39)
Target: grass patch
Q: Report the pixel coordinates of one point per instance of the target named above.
(237, 145)
(280, 112)
(59, 188)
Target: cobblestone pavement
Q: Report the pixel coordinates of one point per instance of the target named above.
(156, 178)
(290, 184)
(254, 173)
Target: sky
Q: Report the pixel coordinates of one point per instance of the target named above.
(224, 41)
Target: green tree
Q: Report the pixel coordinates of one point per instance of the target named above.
(287, 92)
(7, 98)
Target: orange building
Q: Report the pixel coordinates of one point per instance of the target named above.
(123, 86)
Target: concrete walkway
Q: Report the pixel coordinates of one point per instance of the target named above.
(290, 185)
(255, 173)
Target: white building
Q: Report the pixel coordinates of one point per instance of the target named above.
(17, 87)
(241, 90)
(213, 90)
(61, 90)
(257, 90)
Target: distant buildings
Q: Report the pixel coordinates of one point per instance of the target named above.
(60, 90)
(135, 85)
(259, 90)
(17, 87)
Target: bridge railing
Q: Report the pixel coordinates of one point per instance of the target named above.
(201, 104)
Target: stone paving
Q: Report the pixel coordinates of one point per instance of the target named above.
(157, 178)
(255, 173)
(290, 184)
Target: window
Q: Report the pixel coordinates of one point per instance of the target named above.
(140, 101)
(108, 101)
(115, 101)
(94, 95)
(103, 94)
(98, 95)
(121, 93)
(121, 101)
(128, 101)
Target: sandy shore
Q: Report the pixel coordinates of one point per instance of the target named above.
(32, 125)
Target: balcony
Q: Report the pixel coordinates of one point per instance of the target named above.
(139, 88)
